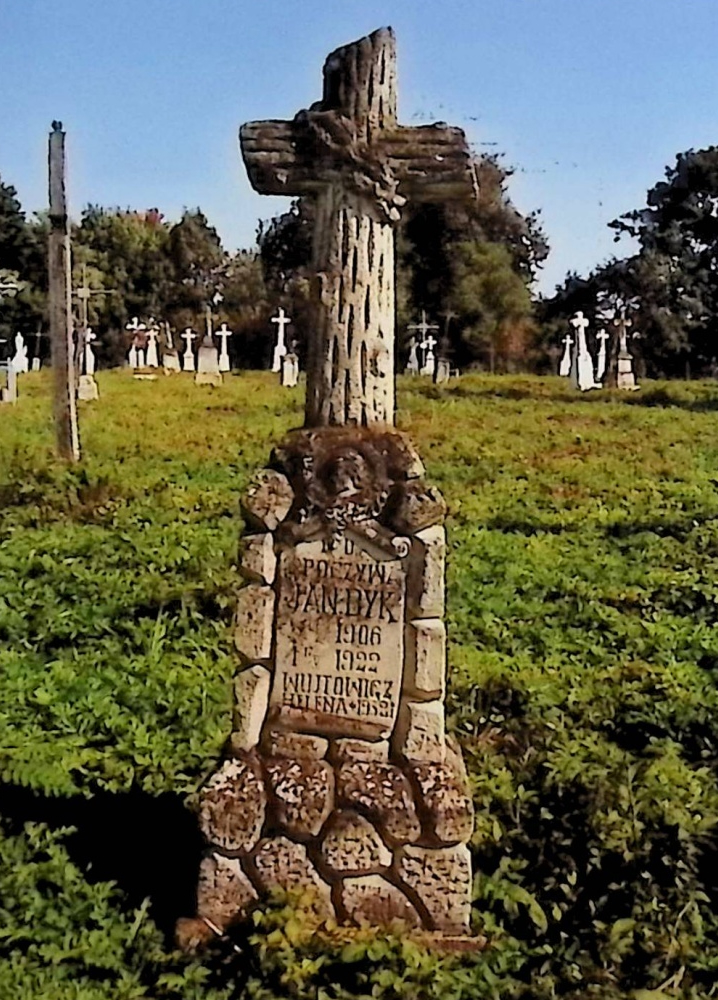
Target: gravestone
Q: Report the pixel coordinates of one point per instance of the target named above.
(565, 366)
(188, 357)
(280, 348)
(87, 388)
(152, 335)
(290, 368)
(338, 774)
(582, 372)
(625, 378)
(429, 365)
(8, 392)
(20, 361)
(442, 372)
(224, 333)
(602, 337)
(170, 355)
(208, 372)
(412, 364)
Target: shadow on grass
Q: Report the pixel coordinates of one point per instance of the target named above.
(148, 845)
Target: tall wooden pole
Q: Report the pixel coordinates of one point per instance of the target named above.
(60, 296)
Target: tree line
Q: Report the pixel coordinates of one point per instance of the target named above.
(469, 265)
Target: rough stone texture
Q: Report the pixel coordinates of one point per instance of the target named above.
(282, 864)
(300, 745)
(224, 892)
(254, 620)
(87, 388)
(383, 792)
(416, 506)
(426, 657)
(346, 750)
(419, 733)
(233, 805)
(427, 573)
(208, 378)
(303, 794)
(268, 500)
(352, 846)
(372, 901)
(444, 802)
(258, 560)
(251, 696)
(441, 879)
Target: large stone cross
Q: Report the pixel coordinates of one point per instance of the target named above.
(349, 153)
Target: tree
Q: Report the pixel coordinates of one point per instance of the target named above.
(22, 251)
(197, 258)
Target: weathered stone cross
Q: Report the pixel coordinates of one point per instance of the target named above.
(349, 152)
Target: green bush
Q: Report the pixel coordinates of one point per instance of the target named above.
(582, 604)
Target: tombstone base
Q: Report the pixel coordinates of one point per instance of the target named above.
(208, 378)
(338, 776)
(87, 388)
(625, 379)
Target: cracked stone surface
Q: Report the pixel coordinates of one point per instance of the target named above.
(233, 805)
(353, 846)
(444, 801)
(419, 733)
(251, 696)
(441, 878)
(258, 560)
(254, 622)
(426, 594)
(383, 792)
(303, 793)
(348, 749)
(268, 500)
(224, 892)
(287, 744)
(372, 901)
(282, 864)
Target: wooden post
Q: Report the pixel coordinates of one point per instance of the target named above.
(60, 300)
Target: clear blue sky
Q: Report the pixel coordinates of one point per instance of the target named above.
(588, 99)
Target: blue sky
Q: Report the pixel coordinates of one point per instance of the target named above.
(588, 99)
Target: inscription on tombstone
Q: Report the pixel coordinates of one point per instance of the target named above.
(339, 629)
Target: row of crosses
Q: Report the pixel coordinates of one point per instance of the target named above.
(578, 363)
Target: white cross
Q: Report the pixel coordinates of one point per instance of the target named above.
(579, 323)
(188, 336)
(568, 340)
(223, 333)
(429, 344)
(135, 326)
(423, 327)
(282, 320)
(602, 335)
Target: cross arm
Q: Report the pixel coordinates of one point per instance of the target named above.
(273, 161)
(431, 162)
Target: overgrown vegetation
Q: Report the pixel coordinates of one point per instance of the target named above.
(584, 665)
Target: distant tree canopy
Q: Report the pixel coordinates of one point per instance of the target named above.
(672, 280)
(469, 265)
(441, 250)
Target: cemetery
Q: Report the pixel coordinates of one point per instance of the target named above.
(357, 604)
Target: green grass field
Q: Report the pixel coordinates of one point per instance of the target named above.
(582, 609)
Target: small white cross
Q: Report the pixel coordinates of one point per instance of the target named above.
(423, 327)
(579, 322)
(282, 320)
(568, 340)
(428, 344)
(188, 336)
(135, 326)
(602, 336)
(223, 333)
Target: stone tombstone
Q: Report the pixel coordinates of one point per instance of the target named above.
(8, 393)
(338, 775)
(601, 337)
(20, 359)
(565, 366)
(280, 348)
(188, 357)
(290, 369)
(443, 371)
(625, 377)
(152, 337)
(208, 372)
(170, 355)
(412, 364)
(582, 369)
(224, 333)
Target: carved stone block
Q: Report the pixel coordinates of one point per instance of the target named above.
(251, 694)
(302, 794)
(346, 750)
(441, 879)
(282, 864)
(426, 657)
(224, 892)
(258, 560)
(383, 793)
(371, 901)
(426, 584)
(416, 506)
(352, 845)
(233, 805)
(419, 733)
(268, 500)
(444, 802)
(300, 745)
(254, 620)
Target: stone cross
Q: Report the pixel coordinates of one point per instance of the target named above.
(280, 348)
(602, 336)
(423, 328)
(223, 333)
(19, 361)
(623, 324)
(89, 354)
(427, 345)
(152, 334)
(188, 357)
(583, 374)
(349, 152)
(565, 366)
